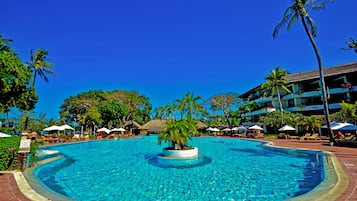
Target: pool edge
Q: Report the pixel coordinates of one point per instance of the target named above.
(324, 191)
(38, 191)
(328, 189)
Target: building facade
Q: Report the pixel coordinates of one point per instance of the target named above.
(305, 96)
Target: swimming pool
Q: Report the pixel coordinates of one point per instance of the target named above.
(236, 170)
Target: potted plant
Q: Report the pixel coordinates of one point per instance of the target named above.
(178, 133)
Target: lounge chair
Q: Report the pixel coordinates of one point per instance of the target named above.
(314, 136)
(307, 135)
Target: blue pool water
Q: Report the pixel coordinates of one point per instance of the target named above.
(232, 169)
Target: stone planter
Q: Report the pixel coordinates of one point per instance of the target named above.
(190, 153)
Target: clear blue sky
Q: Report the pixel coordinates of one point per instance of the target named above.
(165, 48)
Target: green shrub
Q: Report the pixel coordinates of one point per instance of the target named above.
(271, 136)
(8, 152)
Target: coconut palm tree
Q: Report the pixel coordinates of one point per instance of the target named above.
(191, 105)
(178, 133)
(275, 81)
(299, 10)
(352, 45)
(248, 107)
(40, 65)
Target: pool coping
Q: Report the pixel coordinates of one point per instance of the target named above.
(334, 184)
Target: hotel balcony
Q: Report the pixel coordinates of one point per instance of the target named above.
(312, 107)
(259, 112)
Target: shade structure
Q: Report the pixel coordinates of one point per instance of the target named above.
(4, 135)
(340, 125)
(103, 130)
(66, 127)
(227, 129)
(117, 129)
(287, 128)
(255, 127)
(209, 129)
(212, 129)
(348, 128)
(54, 128)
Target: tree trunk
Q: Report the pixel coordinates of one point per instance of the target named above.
(281, 106)
(322, 82)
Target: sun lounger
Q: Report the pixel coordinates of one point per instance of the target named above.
(314, 136)
(307, 135)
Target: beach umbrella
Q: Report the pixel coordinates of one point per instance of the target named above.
(340, 125)
(66, 127)
(103, 130)
(209, 129)
(287, 128)
(255, 127)
(54, 128)
(121, 129)
(227, 129)
(4, 135)
(117, 130)
(348, 128)
(215, 129)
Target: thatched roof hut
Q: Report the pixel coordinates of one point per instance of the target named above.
(200, 125)
(153, 126)
(133, 127)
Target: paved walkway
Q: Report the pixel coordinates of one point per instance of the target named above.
(9, 190)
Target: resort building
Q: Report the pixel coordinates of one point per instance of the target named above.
(340, 81)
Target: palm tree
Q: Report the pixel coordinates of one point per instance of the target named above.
(275, 82)
(39, 64)
(248, 106)
(299, 10)
(352, 45)
(191, 105)
(178, 133)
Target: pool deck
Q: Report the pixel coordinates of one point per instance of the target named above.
(10, 190)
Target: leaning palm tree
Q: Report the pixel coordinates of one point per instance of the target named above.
(299, 10)
(352, 45)
(275, 82)
(40, 65)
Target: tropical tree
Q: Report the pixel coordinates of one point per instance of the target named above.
(178, 133)
(248, 107)
(40, 65)
(275, 82)
(348, 113)
(14, 80)
(272, 119)
(114, 107)
(191, 105)
(312, 123)
(352, 45)
(299, 10)
(112, 112)
(225, 103)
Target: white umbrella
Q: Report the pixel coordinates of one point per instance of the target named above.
(103, 130)
(215, 129)
(4, 135)
(117, 129)
(54, 128)
(255, 127)
(209, 129)
(227, 129)
(287, 128)
(66, 127)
